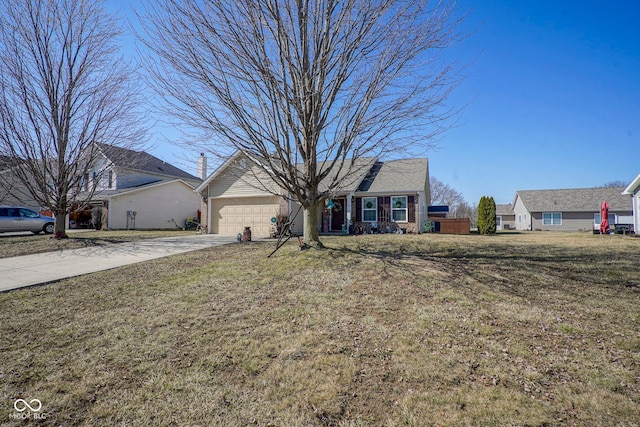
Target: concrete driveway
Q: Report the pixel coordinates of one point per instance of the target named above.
(27, 270)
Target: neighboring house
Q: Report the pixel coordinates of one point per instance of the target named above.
(575, 209)
(139, 191)
(13, 192)
(633, 190)
(240, 194)
(505, 217)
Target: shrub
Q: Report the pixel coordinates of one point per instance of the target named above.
(487, 215)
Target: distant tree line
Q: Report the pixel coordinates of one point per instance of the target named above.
(613, 184)
(445, 195)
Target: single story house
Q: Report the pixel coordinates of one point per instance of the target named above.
(505, 217)
(375, 194)
(576, 209)
(138, 190)
(633, 190)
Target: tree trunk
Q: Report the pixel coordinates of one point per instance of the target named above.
(311, 233)
(60, 228)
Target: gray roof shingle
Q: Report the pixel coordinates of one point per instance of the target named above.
(574, 199)
(504, 209)
(141, 161)
(403, 176)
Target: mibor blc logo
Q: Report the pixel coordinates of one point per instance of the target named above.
(25, 410)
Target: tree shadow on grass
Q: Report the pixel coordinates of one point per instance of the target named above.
(520, 270)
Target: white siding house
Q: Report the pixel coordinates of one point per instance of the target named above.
(633, 190)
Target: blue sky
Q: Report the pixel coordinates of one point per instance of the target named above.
(551, 98)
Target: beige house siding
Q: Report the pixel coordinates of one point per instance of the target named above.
(239, 181)
(522, 218)
(427, 192)
(243, 195)
(571, 221)
(241, 191)
(298, 220)
(155, 207)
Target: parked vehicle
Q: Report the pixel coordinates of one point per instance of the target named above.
(15, 218)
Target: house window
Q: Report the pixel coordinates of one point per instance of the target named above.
(370, 209)
(399, 208)
(110, 179)
(84, 182)
(597, 219)
(552, 218)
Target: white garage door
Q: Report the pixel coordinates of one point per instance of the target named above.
(230, 216)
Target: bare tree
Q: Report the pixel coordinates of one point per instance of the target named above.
(465, 210)
(63, 89)
(305, 88)
(444, 194)
(613, 184)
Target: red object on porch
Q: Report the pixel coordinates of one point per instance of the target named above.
(604, 218)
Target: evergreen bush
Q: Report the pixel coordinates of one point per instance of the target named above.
(487, 215)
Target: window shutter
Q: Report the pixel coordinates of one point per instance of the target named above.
(358, 216)
(411, 207)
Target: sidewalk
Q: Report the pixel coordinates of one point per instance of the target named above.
(47, 267)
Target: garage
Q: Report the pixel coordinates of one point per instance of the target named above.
(231, 215)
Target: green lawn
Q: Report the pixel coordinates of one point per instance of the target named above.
(513, 329)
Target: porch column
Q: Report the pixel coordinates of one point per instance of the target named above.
(348, 203)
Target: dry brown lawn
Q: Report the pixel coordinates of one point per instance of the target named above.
(507, 330)
(27, 244)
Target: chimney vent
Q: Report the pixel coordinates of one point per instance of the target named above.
(202, 167)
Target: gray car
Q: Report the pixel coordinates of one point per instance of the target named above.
(15, 218)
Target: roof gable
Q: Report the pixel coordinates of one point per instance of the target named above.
(633, 188)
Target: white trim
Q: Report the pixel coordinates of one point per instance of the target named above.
(633, 187)
(370, 209)
(552, 223)
(636, 213)
(349, 201)
(405, 209)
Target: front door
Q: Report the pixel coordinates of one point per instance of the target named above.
(338, 214)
